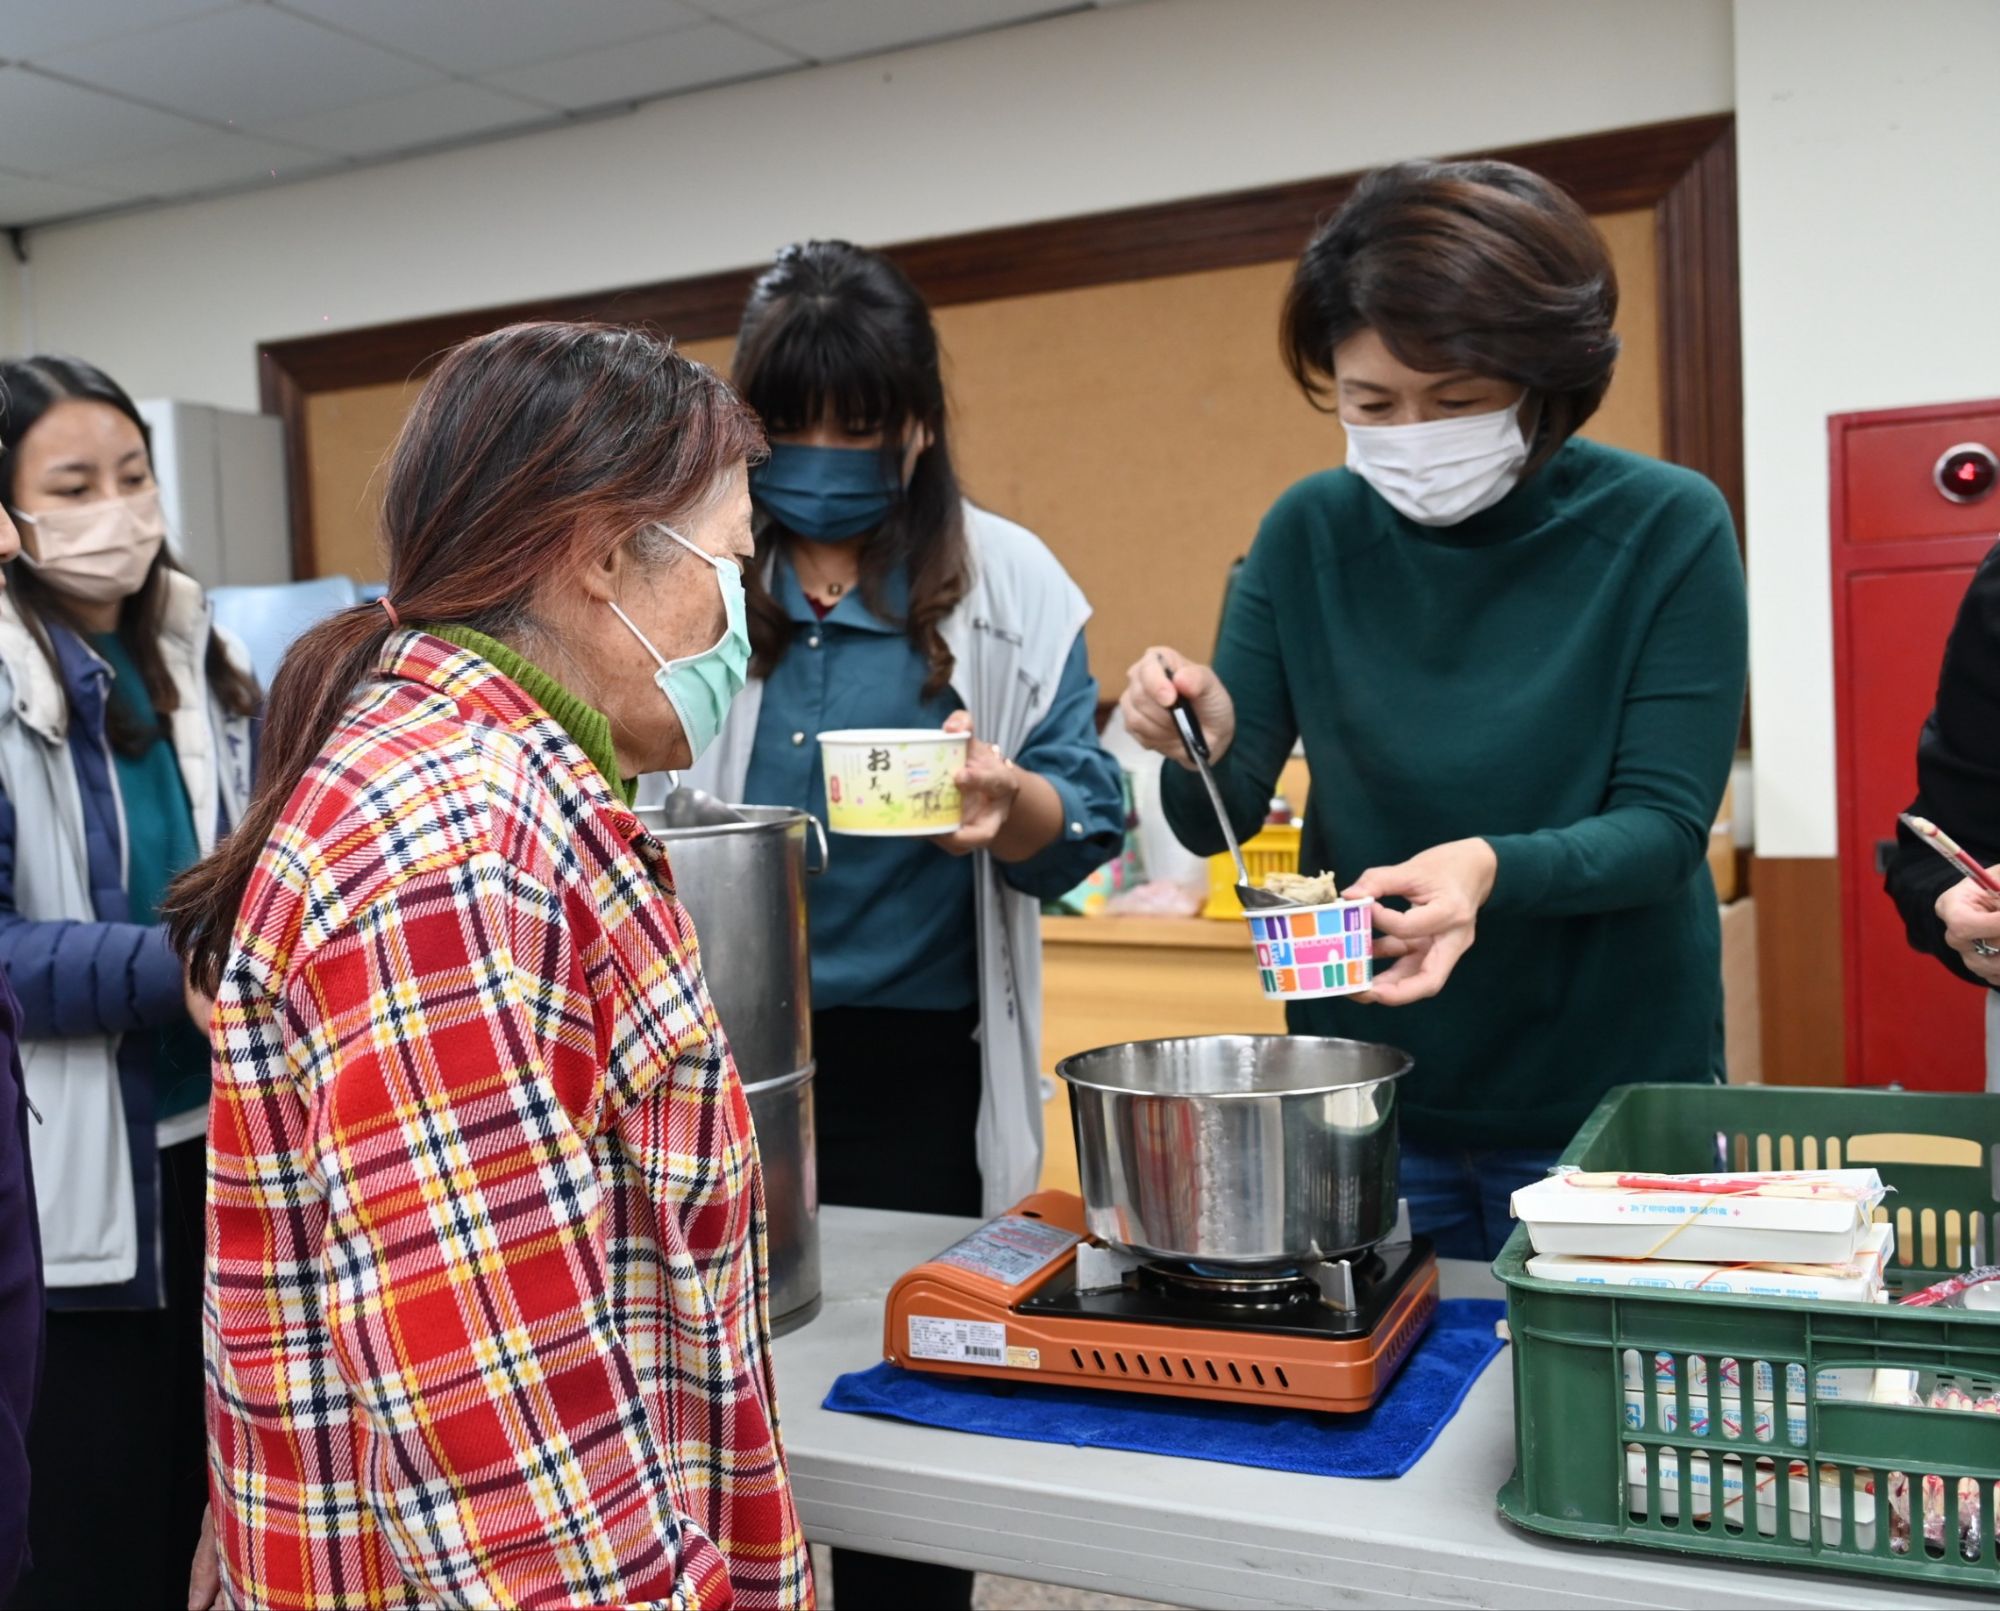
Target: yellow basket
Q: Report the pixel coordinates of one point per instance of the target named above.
(1275, 850)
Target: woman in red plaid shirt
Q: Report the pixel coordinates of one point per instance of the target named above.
(486, 1274)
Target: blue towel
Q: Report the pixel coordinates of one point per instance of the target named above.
(1382, 1442)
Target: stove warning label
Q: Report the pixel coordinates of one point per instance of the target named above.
(1010, 1250)
(958, 1342)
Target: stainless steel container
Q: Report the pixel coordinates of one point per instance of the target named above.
(741, 872)
(782, 1110)
(1238, 1149)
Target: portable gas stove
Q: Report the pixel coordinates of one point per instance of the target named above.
(1029, 1297)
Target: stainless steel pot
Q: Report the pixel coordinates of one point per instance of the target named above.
(782, 1111)
(1238, 1149)
(741, 872)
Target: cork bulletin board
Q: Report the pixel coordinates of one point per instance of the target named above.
(1141, 429)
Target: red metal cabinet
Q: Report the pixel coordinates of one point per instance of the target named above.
(1903, 553)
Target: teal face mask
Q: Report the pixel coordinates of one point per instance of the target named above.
(826, 494)
(701, 686)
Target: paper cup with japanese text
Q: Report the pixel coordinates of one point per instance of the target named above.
(1306, 952)
(893, 782)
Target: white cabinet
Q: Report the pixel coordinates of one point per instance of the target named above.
(222, 485)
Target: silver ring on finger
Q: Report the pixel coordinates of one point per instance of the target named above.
(1985, 948)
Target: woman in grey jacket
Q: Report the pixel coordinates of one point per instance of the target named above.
(883, 598)
(125, 753)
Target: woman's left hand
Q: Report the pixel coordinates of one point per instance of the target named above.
(989, 784)
(1445, 886)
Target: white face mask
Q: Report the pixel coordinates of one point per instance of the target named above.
(1439, 472)
(97, 552)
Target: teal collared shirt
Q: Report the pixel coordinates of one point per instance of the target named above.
(891, 920)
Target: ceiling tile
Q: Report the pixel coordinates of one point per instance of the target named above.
(425, 117)
(217, 162)
(835, 30)
(661, 65)
(252, 65)
(53, 127)
(31, 201)
(505, 33)
(30, 28)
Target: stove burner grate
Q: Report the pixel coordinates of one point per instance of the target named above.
(1343, 1299)
(1235, 1286)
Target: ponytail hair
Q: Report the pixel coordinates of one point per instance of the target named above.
(529, 452)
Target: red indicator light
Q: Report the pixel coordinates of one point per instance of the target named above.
(1966, 473)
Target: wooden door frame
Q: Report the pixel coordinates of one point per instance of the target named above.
(1685, 171)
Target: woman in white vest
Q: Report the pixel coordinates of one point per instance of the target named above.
(126, 748)
(882, 598)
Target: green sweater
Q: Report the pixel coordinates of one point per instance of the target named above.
(588, 725)
(1561, 675)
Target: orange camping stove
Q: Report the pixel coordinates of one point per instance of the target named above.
(1029, 1296)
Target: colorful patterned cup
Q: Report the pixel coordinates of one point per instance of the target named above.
(893, 782)
(1305, 952)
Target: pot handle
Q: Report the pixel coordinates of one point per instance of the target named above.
(819, 834)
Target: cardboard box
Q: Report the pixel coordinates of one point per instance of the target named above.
(1857, 1281)
(1742, 1007)
(1705, 1470)
(1701, 1227)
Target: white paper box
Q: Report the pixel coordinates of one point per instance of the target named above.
(1702, 1496)
(1858, 1281)
(1698, 1227)
(1833, 1383)
(1764, 1415)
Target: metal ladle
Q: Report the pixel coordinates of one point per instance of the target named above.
(1196, 741)
(689, 807)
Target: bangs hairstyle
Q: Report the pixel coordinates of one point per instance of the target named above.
(29, 389)
(1480, 266)
(835, 334)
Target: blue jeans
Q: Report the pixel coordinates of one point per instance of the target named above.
(1458, 1198)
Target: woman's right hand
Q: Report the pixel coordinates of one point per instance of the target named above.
(205, 1572)
(1149, 700)
(1972, 919)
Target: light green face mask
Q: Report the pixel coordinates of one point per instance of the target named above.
(701, 686)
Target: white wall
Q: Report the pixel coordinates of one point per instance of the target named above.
(12, 337)
(1109, 108)
(1867, 136)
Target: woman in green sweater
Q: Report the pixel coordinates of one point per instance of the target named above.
(1516, 660)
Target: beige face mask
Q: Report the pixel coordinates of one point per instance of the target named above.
(97, 552)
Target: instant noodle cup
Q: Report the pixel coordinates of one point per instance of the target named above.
(893, 782)
(1306, 952)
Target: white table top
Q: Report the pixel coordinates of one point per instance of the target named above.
(1194, 1533)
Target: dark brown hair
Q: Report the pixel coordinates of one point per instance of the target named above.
(835, 332)
(529, 452)
(1480, 266)
(29, 388)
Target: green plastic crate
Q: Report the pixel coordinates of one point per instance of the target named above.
(1589, 1362)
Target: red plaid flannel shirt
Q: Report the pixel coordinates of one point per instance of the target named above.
(486, 1300)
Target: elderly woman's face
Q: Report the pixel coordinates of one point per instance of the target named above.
(1375, 387)
(682, 607)
(675, 600)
